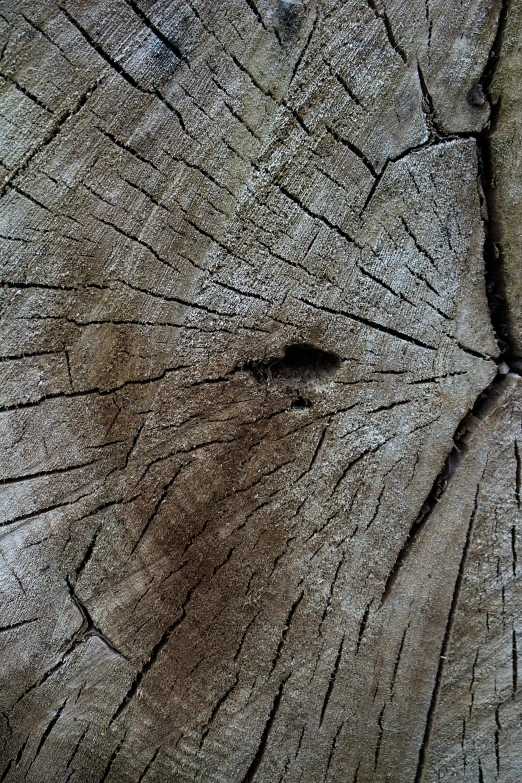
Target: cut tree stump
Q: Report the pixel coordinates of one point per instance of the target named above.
(260, 416)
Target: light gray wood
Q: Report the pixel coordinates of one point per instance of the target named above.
(244, 320)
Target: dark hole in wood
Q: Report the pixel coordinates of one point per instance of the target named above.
(300, 404)
(301, 364)
(306, 360)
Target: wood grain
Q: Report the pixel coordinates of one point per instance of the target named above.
(243, 323)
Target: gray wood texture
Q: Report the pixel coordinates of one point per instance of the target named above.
(251, 531)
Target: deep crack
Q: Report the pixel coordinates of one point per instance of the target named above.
(493, 254)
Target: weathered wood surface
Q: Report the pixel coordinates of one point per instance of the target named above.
(222, 556)
(476, 727)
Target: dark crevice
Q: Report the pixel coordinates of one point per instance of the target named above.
(21, 752)
(514, 550)
(14, 762)
(493, 257)
(43, 510)
(49, 728)
(88, 628)
(498, 729)
(17, 625)
(299, 371)
(398, 660)
(245, 632)
(353, 148)
(362, 628)
(103, 54)
(119, 69)
(49, 673)
(333, 748)
(331, 682)
(149, 764)
(382, 284)
(370, 323)
(379, 738)
(330, 593)
(433, 140)
(35, 26)
(344, 84)
(223, 563)
(286, 627)
(47, 473)
(32, 97)
(129, 321)
(493, 253)
(430, 24)
(267, 92)
(383, 16)
(204, 173)
(514, 662)
(240, 119)
(77, 746)
(518, 474)
(29, 197)
(87, 556)
(318, 447)
(317, 216)
(112, 759)
(132, 446)
(217, 707)
(164, 297)
(300, 404)
(494, 57)
(260, 752)
(146, 245)
(435, 129)
(168, 42)
(15, 357)
(164, 492)
(438, 488)
(71, 645)
(296, 754)
(102, 392)
(352, 464)
(303, 50)
(127, 147)
(253, 7)
(472, 352)
(5, 716)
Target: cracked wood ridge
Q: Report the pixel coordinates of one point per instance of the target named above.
(260, 412)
